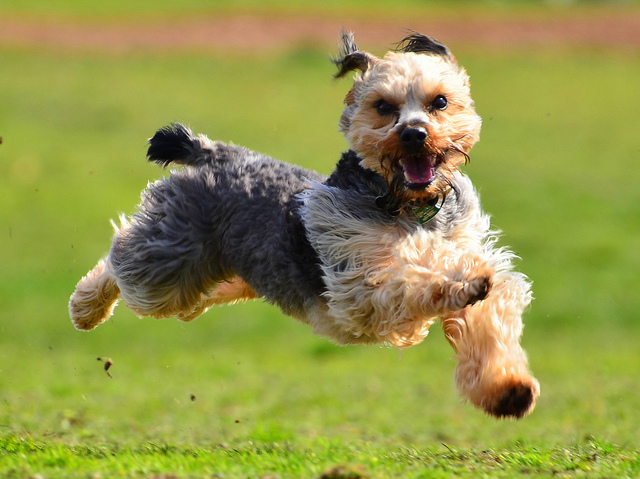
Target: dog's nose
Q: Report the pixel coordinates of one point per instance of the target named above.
(413, 137)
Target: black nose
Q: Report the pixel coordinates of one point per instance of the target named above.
(413, 137)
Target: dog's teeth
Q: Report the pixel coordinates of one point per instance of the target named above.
(401, 163)
(407, 177)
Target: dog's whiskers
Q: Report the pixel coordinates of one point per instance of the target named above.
(456, 148)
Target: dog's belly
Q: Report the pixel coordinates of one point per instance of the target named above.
(231, 291)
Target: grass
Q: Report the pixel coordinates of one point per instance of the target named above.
(285, 459)
(246, 392)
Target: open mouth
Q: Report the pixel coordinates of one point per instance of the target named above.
(419, 171)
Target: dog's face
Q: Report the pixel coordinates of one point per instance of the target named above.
(409, 115)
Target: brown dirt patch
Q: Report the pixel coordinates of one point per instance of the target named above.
(619, 29)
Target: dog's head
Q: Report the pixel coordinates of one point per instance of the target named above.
(409, 115)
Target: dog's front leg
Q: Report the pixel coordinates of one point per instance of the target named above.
(396, 299)
(434, 277)
(492, 369)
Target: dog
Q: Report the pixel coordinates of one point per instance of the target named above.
(391, 241)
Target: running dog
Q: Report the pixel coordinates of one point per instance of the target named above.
(391, 241)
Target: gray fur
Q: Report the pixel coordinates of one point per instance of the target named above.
(234, 214)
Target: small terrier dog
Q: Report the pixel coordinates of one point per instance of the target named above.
(391, 241)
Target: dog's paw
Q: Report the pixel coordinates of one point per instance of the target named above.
(457, 295)
(511, 396)
(478, 289)
(465, 293)
(514, 400)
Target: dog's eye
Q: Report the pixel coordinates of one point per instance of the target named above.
(383, 108)
(439, 103)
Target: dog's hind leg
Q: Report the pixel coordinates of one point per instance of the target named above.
(95, 297)
(228, 292)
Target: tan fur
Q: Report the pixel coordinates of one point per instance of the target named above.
(388, 284)
(94, 299)
(485, 336)
(233, 291)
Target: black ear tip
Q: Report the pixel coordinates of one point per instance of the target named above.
(347, 44)
(418, 43)
(351, 57)
(354, 61)
(347, 47)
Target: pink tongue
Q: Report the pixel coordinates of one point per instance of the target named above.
(418, 170)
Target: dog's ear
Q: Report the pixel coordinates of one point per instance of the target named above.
(417, 43)
(351, 58)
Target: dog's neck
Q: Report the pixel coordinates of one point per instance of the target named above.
(424, 211)
(427, 210)
(349, 174)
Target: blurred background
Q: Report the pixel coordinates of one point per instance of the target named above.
(83, 84)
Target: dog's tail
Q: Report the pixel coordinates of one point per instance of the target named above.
(178, 144)
(95, 297)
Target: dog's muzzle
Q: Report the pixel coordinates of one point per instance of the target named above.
(418, 166)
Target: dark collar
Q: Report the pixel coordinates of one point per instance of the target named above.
(349, 174)
(424, 211)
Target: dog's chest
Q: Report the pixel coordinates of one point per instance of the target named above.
(349, 232)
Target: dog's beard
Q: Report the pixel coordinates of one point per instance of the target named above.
(400, 194)
(417, 179)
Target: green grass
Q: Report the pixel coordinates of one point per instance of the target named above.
(246, 392)
(286, 459)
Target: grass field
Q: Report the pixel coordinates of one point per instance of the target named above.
(246, 392)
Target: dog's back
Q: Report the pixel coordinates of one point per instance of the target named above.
(197, 229)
